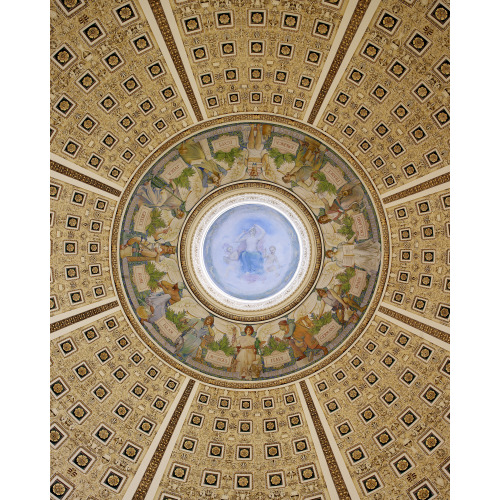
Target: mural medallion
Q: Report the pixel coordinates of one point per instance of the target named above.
(249, 252)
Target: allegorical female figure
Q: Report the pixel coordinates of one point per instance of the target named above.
(193, 338)
(252, 260)
(366, 255)
(246, 352)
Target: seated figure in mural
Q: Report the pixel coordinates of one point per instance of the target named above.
(163, 198)
(257, 159)
(138, 249)
(246, 352)
(334, 301)
(252, 260)
(157, 302)
(308, 161)
(364, 255)
(193, 340)
(299, 337)
(192, 153)
(348, 196)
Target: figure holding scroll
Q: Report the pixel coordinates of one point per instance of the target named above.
(364, 255)
(247, 353)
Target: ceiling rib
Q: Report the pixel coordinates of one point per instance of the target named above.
(162, 12)
(357, 26)
(405, 317)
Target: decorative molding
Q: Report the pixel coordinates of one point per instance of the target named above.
(150, 473)
(353, 26)
(430, 330)
(82, 316)
(68, 172)
(441, 179)
(333, 467)
(166, 32)
(224, 120)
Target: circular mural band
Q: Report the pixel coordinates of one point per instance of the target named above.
(249, 251)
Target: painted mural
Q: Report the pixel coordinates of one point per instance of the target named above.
(249, 251)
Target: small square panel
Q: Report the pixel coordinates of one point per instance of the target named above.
(69, 7)
(397, 149)
(244, 452)
(90, 334)
(332, 406)
(136, 358)
(255, 97)
(199, 53)
(294, 421)
(64, 106)
(356, 454)
(330, 118)
(160, 125)
(245, 427)
(152, 372)
(442, 117)
(71, 272)
(82, 371)
(143, 139)
(82, 459)
(322, 386)
(234, 97)
(408, 376)
(342, 98)
(125, 13)
(197, 420)
(383, 328)
(397, 70)
(402, 464)
(71, 148)
(123, 342)
(363, 113)
(64, 57)
(430, 441)
(367, 415)
(290, 399)
(67, 347)
(115, 173)
(256, 47)
(322, 29)
(103, 433)
(215, 450)
(305, 82)
(212, 102)
(79, 412)
(379, 93)
(100, 205)
(270, 425)
(433, 158)
(402, 339)
(371, 346)
(131, 85)
(404, 235)
(356, 362)
(192, 25)
(243, 482)
(57, 436)
(168, 93)
(179, 114)
(344, 429)
(383, 438)
(227, 49)
(307, 473)
(371, 484)
(400, 112)
(389, 181)
(88, 124)
(378, 162)
(113, 480)
(267, 403)
(388, 360)
(146, 106)
(109, 140)
(428, 256)
(60, 488)
(224, 19)
(388, 22)
(389, 397)
(410, 170)
(138, 390)
(398, 297)
(159, 404)
(364, 145)
(211, 479)
(231, 75)
(275, 479)
(381, 129)
(442, 68)
(418, 43)
(356, 76)
(280, 77)
(142, 43)
(130, 451)
(156, 70)
(76, 297)
(113, 60)
(409, 418)
(95, 161)
(403, 277)
(300, 445)
(104, 355)
(371, 51)
(423, 490)
(439, 14)
(339, 375)
(122, 410)
(430, 394)
(422, 92)
(101, 392)
(349, 131)
(290, 21)
(108, 103)
(257, 17)
(120, 374)
(146, 426)
(372, 378)
(313, 57)
(58, 387)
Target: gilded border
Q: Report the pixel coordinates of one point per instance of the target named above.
(153, 465)
(264, 317)
(57, 325)
(352, 27)
(338, 480)
(430, 330)
(248, 117)
(73, 174)
(440, 179)
(161, 20)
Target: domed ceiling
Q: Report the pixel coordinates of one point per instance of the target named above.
(249, 249)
